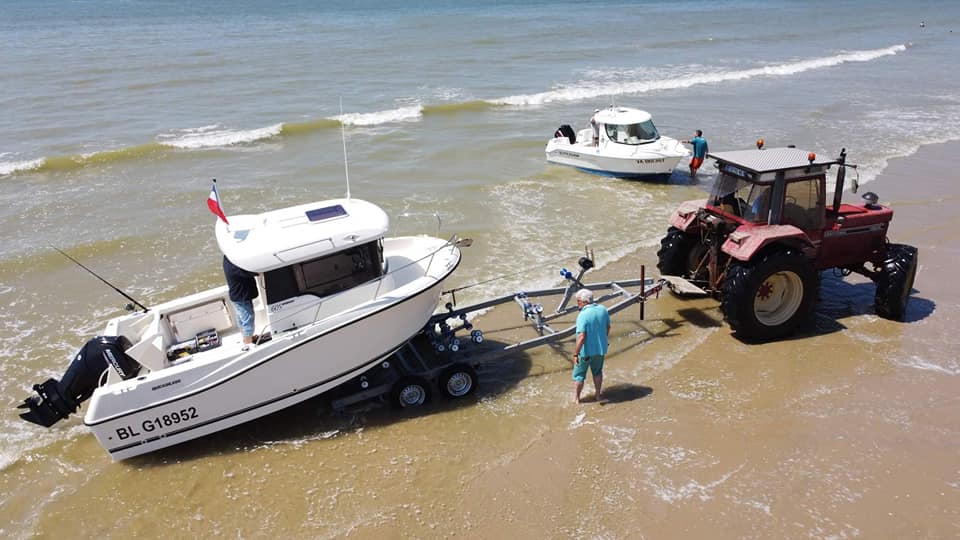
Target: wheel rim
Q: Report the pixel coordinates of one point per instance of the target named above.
(412, 394)
(459, 384)
(778, 298)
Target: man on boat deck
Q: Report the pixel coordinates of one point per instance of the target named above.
(699, 151)
(593, 329)
(596, 127)
(243, 289)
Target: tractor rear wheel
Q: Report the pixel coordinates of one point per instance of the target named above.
(681, 254)
(895, 280)
(769, 297)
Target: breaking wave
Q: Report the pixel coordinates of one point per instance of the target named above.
(216, 136)
(594, 90)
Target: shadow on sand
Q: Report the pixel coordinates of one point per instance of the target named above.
(315, 419)
(839, 299)
(623, 392)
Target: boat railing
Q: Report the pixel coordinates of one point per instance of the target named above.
(435, 215)
(320, 314)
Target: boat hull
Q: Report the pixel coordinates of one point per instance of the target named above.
(591, 159)
(187, 401)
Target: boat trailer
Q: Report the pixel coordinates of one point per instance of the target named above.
(438, 357)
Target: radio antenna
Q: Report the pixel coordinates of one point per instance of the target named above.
(111, 285)
(343, 137)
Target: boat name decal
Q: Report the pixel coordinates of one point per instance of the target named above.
(159, 422)
(277, 307)
(568, 154)
(166, 384)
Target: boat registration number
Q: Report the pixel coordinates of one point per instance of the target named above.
(157, 423)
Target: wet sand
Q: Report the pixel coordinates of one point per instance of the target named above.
(850, 430)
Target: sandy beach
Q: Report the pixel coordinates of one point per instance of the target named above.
(851, 430)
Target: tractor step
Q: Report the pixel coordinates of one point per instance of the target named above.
(681, 286)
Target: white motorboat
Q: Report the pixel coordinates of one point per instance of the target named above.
(622, 142)
(336, 298)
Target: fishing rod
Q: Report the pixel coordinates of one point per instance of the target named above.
(94, 274)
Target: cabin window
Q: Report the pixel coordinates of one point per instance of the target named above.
(803, 204)
(643, 132)
(326, 275)
(747, 200)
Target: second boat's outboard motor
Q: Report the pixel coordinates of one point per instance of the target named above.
(566, 131)
(56, 400)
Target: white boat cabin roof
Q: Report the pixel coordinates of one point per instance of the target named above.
(263, 242)
(622, 116)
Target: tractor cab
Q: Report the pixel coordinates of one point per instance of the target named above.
(788, 187)
(765, 231)
(776, 186)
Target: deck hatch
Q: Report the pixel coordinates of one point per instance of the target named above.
(325, 213)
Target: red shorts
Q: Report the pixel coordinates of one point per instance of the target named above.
(696, 162)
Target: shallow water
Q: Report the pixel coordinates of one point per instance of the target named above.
(118, 114)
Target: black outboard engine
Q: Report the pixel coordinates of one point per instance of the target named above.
(56, 400)
(566, 131)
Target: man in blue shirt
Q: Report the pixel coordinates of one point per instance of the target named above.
(593, 329)
(699, 152)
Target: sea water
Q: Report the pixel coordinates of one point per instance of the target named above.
(117, 115)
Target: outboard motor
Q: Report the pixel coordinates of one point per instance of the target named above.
(56, 400)
(566, 131)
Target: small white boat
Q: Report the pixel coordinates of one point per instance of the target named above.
(624, 143)
(336, 298)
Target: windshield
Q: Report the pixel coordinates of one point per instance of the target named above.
(736, 196)
(643, 132)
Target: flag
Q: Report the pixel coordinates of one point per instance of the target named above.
(213, 203)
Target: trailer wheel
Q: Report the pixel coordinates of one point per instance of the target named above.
(895, 280)
(680, 254)
(411, 392)
(770, 297)
(458, 380)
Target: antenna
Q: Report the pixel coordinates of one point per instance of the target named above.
(343, 137)
(94, 274)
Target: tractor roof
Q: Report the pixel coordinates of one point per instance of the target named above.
(771, 160)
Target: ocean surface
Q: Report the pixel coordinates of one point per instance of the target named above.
(116, 115)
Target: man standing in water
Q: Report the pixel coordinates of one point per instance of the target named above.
(699, 151)
(593, 329)
(243, 289)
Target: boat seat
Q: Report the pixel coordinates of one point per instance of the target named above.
(151, 350)
(187, 323)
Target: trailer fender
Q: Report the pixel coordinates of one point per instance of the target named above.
(745, 242)
(686, 214)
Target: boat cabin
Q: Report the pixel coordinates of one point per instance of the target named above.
(624, 125)
(306, 252)
(312, 260)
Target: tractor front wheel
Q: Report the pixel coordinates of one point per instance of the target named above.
(895, 280)
(770, 297)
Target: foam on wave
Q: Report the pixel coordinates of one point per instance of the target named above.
(215, 136)
(592, 90)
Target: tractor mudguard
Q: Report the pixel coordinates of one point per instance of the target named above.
(686, 214)
(745, 242)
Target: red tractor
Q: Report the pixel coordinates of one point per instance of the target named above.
(761, 239)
